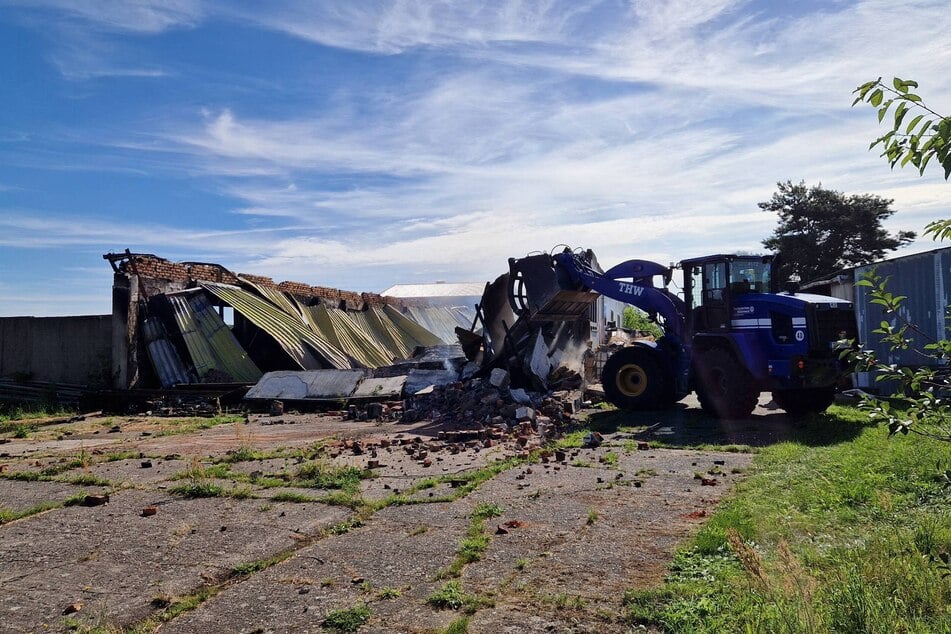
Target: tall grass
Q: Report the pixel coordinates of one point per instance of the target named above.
(835, 537)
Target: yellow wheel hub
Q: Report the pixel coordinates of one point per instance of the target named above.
(631, 380)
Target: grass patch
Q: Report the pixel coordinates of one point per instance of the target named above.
(9, 417)
(448, 597)
(175, 426)
(451, 597)
(474, 543)
(611, 459)
(122, 455)
(9, 515)
(292, 496)
(245, 453)
(322, 475)
(198, 489)
(388, 593)
(834, 531)
(347, 620)
(459, 626)
(86, 479)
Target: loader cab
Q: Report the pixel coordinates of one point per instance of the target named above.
(712, 284)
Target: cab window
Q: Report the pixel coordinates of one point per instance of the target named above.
(749, 276)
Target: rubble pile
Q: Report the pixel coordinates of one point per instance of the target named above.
(488, 409)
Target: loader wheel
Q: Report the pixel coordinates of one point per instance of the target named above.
(634, 379)
(805, 401)
(725, 389)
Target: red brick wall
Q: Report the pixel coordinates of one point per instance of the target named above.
(149, 266)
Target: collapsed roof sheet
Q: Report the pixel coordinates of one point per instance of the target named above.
(382, 387)
(308, 349)
(276, 297)
(210, 342)
(311, 384)
(349, 333)
(442, 320)
(398, 333)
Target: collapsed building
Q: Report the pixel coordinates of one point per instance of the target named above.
(169, 325)
(200, 329)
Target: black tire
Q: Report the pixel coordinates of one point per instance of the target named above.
(725, 388)
(633, 378)
(805, 401)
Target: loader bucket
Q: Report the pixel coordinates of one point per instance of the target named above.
(538, 291)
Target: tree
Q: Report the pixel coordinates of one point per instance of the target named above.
(636, 319)
(920, 404)
(927, 135)
(821, 231)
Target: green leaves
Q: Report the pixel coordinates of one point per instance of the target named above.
(917, 404)
(922, 140)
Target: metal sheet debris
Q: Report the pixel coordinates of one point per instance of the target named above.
(308, 349)
(210, 342)
(382, 387)
(308, 384)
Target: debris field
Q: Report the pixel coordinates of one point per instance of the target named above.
(472, 506)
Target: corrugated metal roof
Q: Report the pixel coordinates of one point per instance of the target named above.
(341, 328)
(442, 320)
(308, 349)
(210, 342)
(438, 289)
(413, 331)
(276, 297)
(168, 365)
(309, 384)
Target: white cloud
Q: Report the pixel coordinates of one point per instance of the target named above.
(643, 130)
(136, 16)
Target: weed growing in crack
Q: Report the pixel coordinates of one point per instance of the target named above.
(475, 541)
(198, 489)
(449, 597)
(347, 620)
(459, 626)
(388, 593)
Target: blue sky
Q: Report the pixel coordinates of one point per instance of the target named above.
(362, 144)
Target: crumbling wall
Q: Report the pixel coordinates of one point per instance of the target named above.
(66, 350)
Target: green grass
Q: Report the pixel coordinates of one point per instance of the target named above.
(173, 426)
(348, 619)
(592, 517)
(122, 455)
(459, 626)
(9, 417)
(384, 594)
(834, 531)
(198, 489)
(293, 496)
(9, 515)
(448, 597)
(86, 479)
(451, 597)
(474, 543)
(318, 474)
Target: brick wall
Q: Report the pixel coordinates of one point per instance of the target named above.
(181, 273)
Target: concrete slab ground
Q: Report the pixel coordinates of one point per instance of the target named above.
(317, 513)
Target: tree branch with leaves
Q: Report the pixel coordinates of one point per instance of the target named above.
(925, 137)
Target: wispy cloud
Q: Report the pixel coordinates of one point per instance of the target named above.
(639, 129)
(138, 16)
